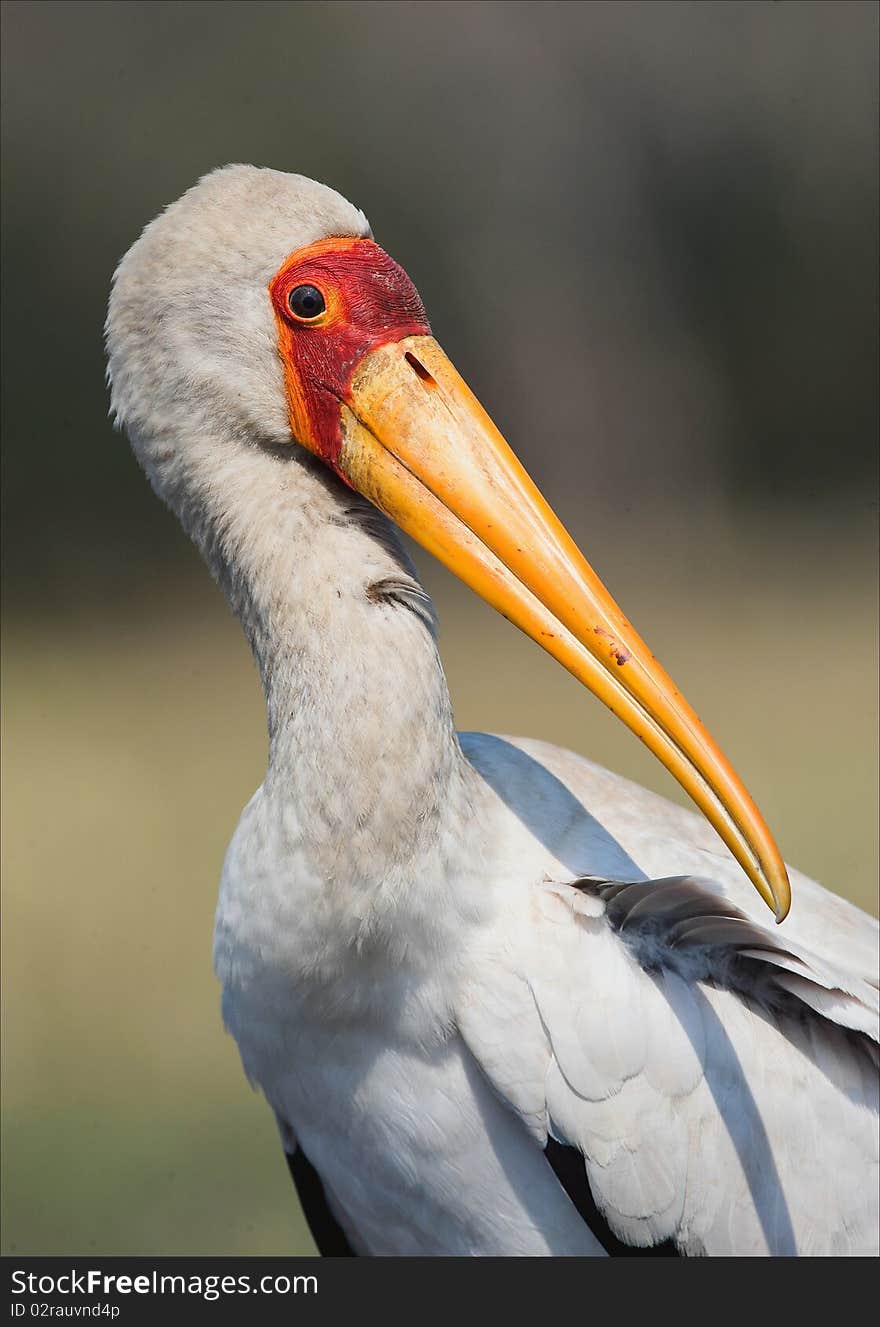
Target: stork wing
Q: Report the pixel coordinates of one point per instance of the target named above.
(717, 1075)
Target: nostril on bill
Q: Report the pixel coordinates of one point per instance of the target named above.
(420, 370)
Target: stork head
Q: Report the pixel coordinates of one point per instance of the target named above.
(257, 311)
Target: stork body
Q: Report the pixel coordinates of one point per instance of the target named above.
(445, 957)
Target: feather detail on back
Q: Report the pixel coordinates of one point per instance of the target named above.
(714, 1075)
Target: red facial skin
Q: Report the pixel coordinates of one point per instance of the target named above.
(370, 301)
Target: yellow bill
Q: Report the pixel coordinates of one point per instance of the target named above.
(418, 444)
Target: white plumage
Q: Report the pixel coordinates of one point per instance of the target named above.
(435, 952)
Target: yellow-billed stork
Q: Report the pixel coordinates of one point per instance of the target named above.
(500, 1000)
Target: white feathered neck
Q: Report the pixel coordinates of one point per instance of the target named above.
(362, 745)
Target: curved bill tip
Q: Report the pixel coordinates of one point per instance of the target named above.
(781, 890)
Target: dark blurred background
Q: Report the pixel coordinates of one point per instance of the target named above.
(647, 235)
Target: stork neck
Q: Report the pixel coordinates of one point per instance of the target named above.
(364, 762)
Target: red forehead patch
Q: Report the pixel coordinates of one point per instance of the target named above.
(368, 301)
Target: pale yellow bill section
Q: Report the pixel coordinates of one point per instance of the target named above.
(419, 445)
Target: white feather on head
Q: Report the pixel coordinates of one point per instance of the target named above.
(200, 272)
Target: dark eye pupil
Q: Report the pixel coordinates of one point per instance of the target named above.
(306, 302)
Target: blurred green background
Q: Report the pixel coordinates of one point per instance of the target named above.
(646, 233)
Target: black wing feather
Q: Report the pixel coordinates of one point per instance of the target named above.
(568, 1166)
(327, 1233)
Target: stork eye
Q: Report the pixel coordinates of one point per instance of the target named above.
(306, 302)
